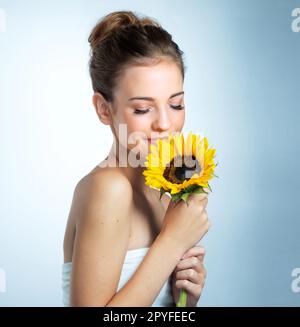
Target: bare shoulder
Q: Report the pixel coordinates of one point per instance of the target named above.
(104, 183)
(101, 208)
(98, 192)
(101, 196)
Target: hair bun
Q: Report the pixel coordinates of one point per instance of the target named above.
(116, 20)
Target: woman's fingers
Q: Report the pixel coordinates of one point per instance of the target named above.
(192, 262)
(192, 275)
(192, 288)
(197, 251)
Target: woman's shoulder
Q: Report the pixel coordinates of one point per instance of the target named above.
(109, 180)
(100, 191)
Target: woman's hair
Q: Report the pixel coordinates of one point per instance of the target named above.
(121, 39)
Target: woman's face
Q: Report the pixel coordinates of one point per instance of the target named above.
(150, 101)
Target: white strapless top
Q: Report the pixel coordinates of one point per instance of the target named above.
(132, 260)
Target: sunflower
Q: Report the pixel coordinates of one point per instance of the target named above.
(180, 166)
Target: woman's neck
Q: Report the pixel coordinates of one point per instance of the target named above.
(134, 174)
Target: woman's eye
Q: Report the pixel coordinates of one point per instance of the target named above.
(179, 107)
(140, 111)
(143, 111)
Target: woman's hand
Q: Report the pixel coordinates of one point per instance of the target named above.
(190, 275)
(186, 224)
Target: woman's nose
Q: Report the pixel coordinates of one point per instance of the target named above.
(162, 121)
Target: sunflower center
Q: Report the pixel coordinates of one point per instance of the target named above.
(177, 175)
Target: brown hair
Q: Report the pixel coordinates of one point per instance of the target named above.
(120, 39)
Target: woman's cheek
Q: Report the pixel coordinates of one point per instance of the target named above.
(179, 120)
(137, 131)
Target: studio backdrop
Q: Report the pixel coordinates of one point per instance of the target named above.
(242, 90)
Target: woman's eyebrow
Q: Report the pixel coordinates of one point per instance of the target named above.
(152, 99)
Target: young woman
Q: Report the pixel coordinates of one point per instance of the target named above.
(122, 246)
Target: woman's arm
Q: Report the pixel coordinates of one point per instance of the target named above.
(146, 283)
(102, 208)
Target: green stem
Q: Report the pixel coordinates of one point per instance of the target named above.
(182, 298)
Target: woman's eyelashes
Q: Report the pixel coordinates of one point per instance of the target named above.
(143, 111)
(179, 107)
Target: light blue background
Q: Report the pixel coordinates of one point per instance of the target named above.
(242, 90)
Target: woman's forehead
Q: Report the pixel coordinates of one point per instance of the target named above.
(150, 81)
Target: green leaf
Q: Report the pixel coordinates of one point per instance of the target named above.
(185, 196)
(199, 190)
(190, 188)
(209, 187)
(176, 196)
(162, 192)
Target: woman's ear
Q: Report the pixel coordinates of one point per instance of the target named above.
(102, 108)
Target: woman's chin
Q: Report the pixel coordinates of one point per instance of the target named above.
(137, 155)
